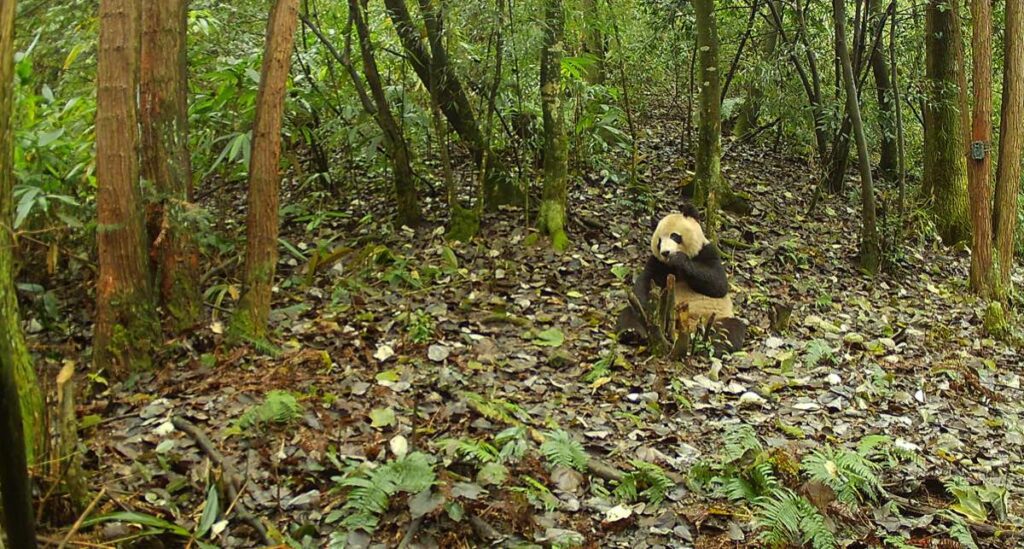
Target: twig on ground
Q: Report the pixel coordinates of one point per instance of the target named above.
(85, 514)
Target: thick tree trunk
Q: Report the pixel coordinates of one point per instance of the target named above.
(883, 87)
(870, 251)
(21, 405)
(945, 161)
(980, 169)
(165, 159)
(708, 176)
(398, 149)
(250, 320)
(1011, 139)
(593, 41)
(126, 322)
(551, 220)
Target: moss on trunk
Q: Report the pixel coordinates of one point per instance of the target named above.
(551, 218)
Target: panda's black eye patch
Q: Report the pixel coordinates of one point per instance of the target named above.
(677, 238)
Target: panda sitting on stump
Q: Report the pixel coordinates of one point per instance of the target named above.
(683, 257)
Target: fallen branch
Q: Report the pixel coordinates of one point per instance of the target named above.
(85, 514)
(232, 481)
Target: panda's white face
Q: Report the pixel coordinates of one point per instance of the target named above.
(677, 233)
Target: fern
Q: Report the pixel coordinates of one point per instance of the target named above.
(601, 368)
(370, 493)
(652, 479)
(278, 407)
(739, 441)
(495, 409)
(960, 532)
(749, 484)
(537, 494)
(560, 449)
(883, 446)
(513, 444)
(790, 520)
(850, 475)
(473, 451)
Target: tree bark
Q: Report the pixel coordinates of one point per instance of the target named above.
(980, 170)
(407, 198)
(126, 322)
(20, 400)
(593, 41)
(750, 111)
(250, 320)
(945, 161)
(551, 220)
(870, 251)
(883, 87)
(166, 162)
(709, 135)
(1011, 139)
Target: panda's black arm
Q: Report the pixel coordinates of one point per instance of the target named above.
(654, 269)
(703, 273)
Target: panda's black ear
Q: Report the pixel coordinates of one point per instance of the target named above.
(689, 210)
(653, 221)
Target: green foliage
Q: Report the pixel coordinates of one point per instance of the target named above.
(495, 409)
(790, 520)
(850, 475)
(420, 326)
(537, 493)
(370, 490)
(647, 481)
(977, 502)
(473, 451)
(278, 407)
(560, 449)
(740, 442)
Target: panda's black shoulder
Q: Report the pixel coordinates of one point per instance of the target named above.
(708, 254)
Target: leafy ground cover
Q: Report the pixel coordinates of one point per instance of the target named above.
(424, 393)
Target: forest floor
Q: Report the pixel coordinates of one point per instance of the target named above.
(409, 340)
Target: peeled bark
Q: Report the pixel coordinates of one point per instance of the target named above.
(398, 149)
(166, 162)
(708, 176)
(551, 220)
(980, 170)
(250, 320)
(1011, 140)
(870, 250)
(945, 161)
(126, 323)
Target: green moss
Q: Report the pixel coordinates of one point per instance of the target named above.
(464, 224)
(551, 222)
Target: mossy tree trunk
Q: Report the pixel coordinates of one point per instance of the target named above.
(593, 41)
(551, 219)
(1011, 140)
(945, 113)
(980, 169)
(708, 177)
(166, 163)
(870, 250)
(15, 361)
(250, 319)
(126, 323)
(407, 198)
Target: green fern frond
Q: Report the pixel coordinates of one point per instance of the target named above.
(652, 479)
(850, 475)
(472, 451)
(513, 444)
(278, 407)
(790, 520)
(495, 409)
(739, 440)
(559, 448)
(370, 490)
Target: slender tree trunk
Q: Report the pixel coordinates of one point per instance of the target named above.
(883, 87)
(750, 112)
(593, 41)
(870, 251)
(709, 135)
(945, 162)
(398, 149)
(980, 169)
(901, 171)
(754, 8)
(551, 220)
(21, 405)
(1011, 140)
(166, 163)
(250, 320)
(126, 323)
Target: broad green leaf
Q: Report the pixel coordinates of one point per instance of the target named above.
(210, 512)
(141, 519)
(552, 337)
(382, 417)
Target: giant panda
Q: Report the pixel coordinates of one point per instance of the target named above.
(679, 247)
